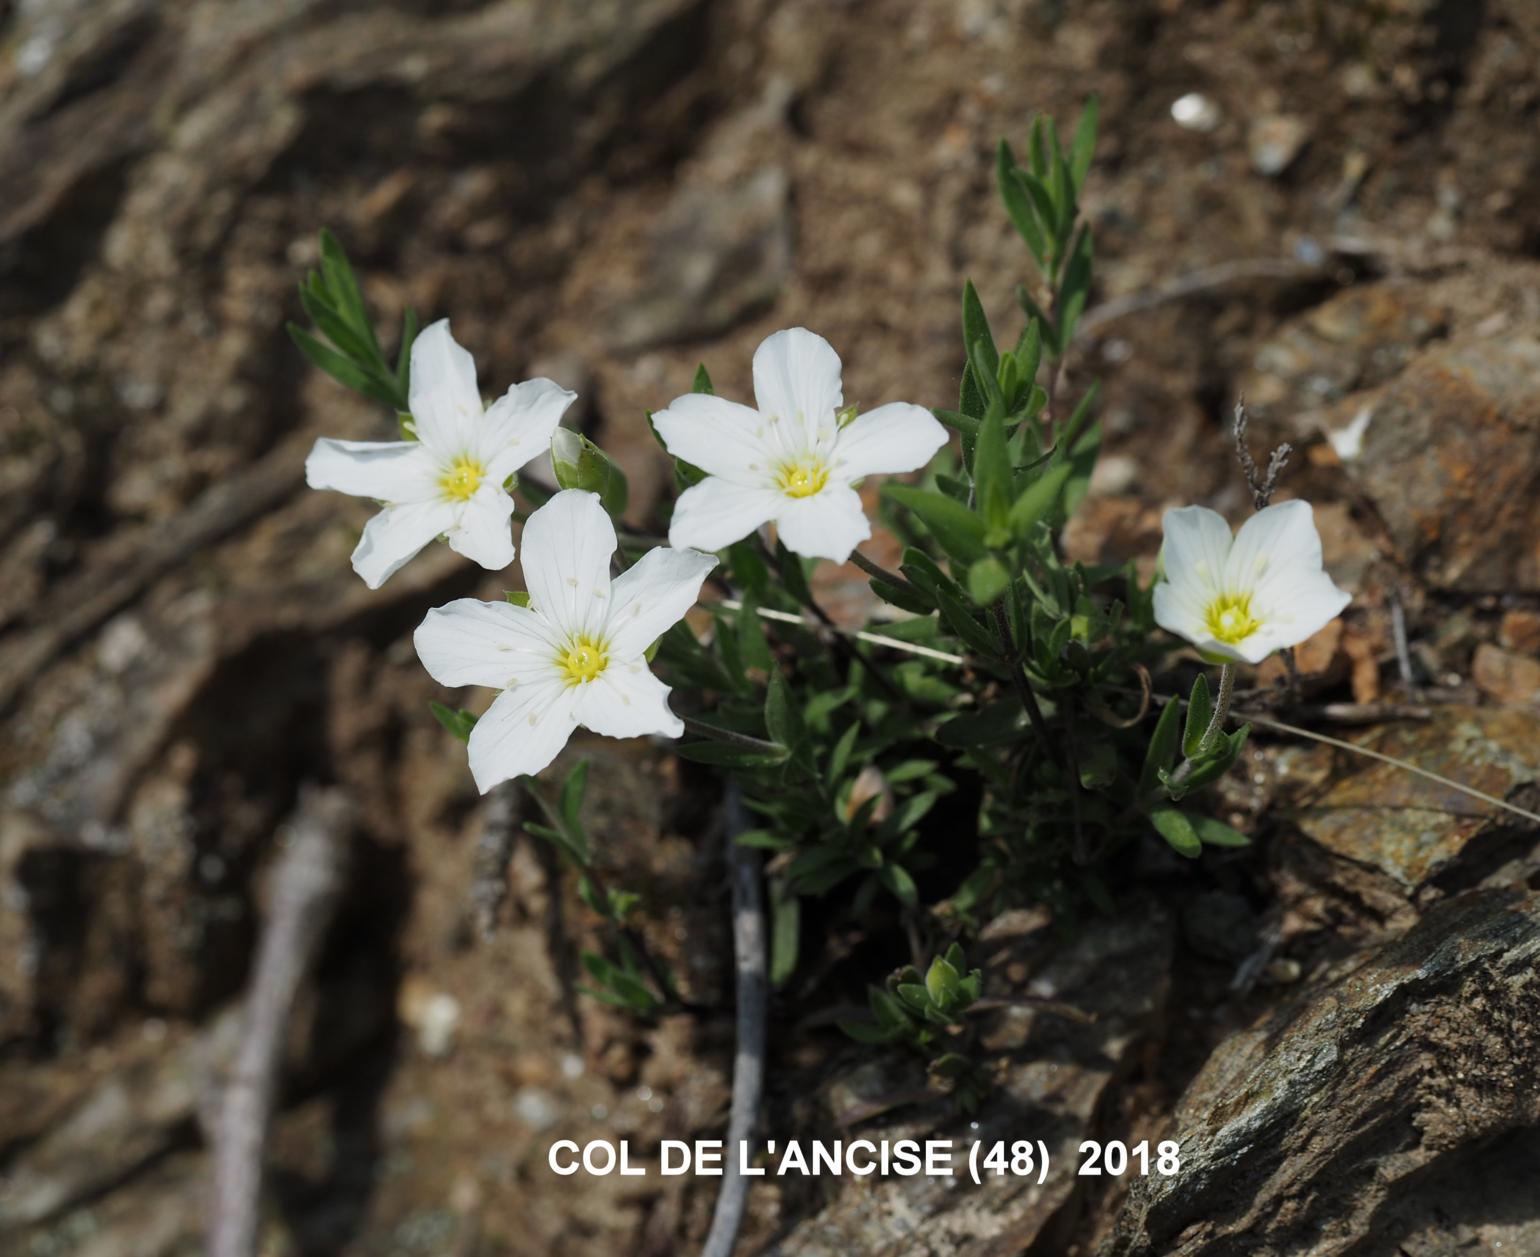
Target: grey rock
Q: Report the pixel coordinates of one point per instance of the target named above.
(1328, 1127)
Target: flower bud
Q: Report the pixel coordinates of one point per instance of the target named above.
(580, 464)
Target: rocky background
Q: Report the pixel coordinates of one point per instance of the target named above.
(1329, 207)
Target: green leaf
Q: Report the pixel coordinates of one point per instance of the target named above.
(1215, 833)
(1172, 825)
(753, 648)
(782, 719)
(702, 382)
(1018, 204)
(987, 580)
(343, 369)
(956, 529)
(899, 883)
(1037, 500)
(962, 622)
(1200, 709)
(345, 292)
(1162, 749)
(866, 1032)
(1075, 287)
(1082, 462)
(730, 755)
(992, 477)
(785, 932)
(1083, 147)
(572, 792)
(976, 328)
(459, 723)
(941, 981)
(335, 328)
(1050, 331)
(404, 354)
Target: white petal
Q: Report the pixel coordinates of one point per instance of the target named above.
(443, 397)
(893, 438)
(1177, 612)
(1298, 607)
(483, 534)
(388, 471)
(828, 525)
(568, 544)
(518, 426)
(395, 535)
(718, 436)
(1196, 547)
(1274, 544)
(653, 595)
(470, 642)
(716, 513)
(626, 701)
(797, 380)
(522, 732)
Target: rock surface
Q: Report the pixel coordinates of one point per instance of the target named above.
(1052, 1076)
(1362, 1116)
(1448, 452)
(1408, 827)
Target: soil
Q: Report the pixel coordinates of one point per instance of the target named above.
(611, 194)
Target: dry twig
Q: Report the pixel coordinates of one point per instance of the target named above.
(305, 888)
(749, 1057)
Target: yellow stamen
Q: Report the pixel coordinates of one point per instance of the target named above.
(802, 479)
(1229, 619)
(462, 478)
(583, 660)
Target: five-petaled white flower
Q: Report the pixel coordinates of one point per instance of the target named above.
(1243, 598)
(794, 459)
(450, 480)
(575, 655)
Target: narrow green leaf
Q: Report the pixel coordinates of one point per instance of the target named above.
(976, 328)
(1037, 500)
(1162, 748)
(987, 580)
(1018, 204)
(702, 382)
(992, 476)
(1200, 709)
(1083, 147)
(956, 529)
(785, 932)
(1172, 825)
(342, 369)
(1214, 833)
(900, 884)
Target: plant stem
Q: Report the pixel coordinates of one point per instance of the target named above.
(878, 572)
(1013, 661)
(1216, 724)
(717, 734)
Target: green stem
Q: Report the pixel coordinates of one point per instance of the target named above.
(1216, 724)
(878, 572)
(727, 736)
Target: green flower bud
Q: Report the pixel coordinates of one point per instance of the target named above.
(580, 464)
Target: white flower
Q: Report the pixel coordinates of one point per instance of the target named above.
(1265, 590)
(792, 460)
(448, 482)
(575, 655)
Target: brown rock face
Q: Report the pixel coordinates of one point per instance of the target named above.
(1330, 1121)
(1410, 828)
(1447, 453)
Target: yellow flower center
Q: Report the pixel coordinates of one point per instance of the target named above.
(462, 478)
(583, 660)
(802, 479)
(1229, 619)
